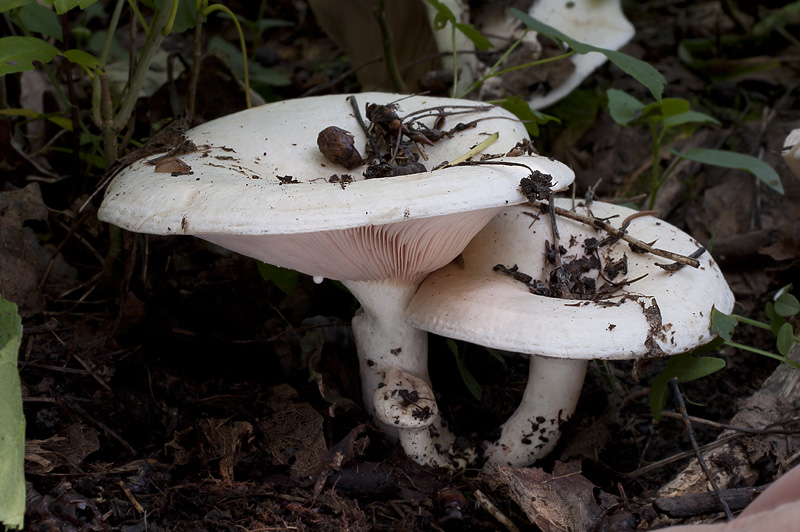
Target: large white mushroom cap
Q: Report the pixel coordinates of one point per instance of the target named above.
(663, 313)
(239, 187)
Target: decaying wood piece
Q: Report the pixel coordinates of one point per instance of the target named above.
(740, 463)
(563, 500)
(695, 504)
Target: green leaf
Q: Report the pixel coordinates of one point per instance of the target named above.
(480, 42)
(7, 5)
(285, 279)
(623, 107)
(62, 6)
(19, 111)
(185, 17)
(38, 19)
(713, 345)
(783, 290)
(667, 107)
(775, 321)
(265, 24)
(531, 117)
(686, 368)
(786, 305)
(18, 53)
(444, 15)
(739, 161)
(785, 338)
(722, 324)
(84, 59)
(469, 381)
(12, 421)
(276, 77)
(57, 119)
(689, 117)
(272, 76)
(639, 70)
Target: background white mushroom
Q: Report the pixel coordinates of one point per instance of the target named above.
(791, 151)
(353, 26)
(260, 186)
(597, 22)
(664, 313)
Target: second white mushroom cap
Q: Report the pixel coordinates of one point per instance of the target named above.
(480, 305)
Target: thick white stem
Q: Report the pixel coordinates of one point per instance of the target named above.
(388, 346)
(532, 431)
(383, 339)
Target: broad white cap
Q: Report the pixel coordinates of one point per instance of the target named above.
(241, 193)
(663, 313)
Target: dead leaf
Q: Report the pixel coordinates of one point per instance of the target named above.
(561, 502)
(68, 448)
(343, 452)
(294, 436)
(225, 441)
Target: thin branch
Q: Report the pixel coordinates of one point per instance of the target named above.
(673, 384)
(621, 234)
(360, 120)
(724, 426)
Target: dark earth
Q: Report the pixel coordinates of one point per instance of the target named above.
(176, 389)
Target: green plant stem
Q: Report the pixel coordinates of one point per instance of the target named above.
(112, 28)
(491, 72)
(220, 7)
(535, 63)
(253, 27)
(455, 57)
(197, 58)
(151, 45)
(656, 149)
(388, 47)
(107, 123)
(494, 72)
(73, 106)
(755, 323)
(743, 347)
(139, 15)
(97, 116)
(55, 84)
(167, 29)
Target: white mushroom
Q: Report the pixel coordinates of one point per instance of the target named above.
(260, 186)
(597, 22)
(661, 314)
(791, 151)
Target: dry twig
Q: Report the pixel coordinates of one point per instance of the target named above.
(636, 244)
